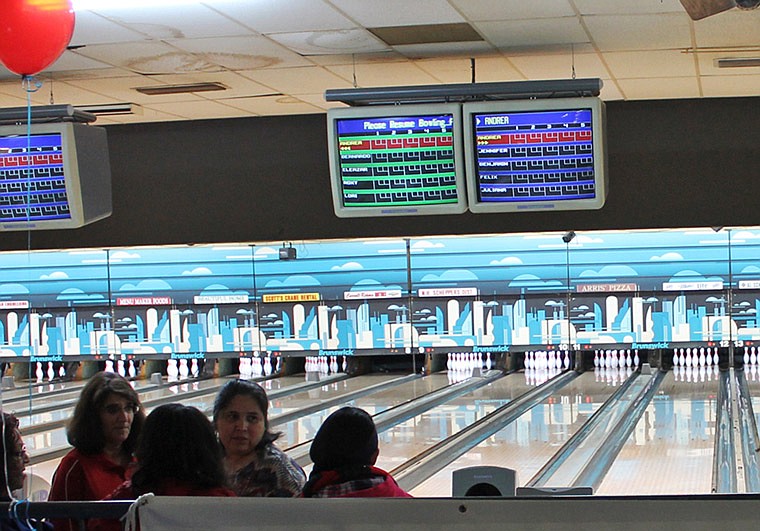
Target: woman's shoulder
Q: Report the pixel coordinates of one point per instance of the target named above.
(71, 457)
(272, 454)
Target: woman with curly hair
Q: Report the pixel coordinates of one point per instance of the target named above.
(103, 431)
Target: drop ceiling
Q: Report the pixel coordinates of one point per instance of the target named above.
(277, 57)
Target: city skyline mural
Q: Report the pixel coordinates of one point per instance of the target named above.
(639, 289)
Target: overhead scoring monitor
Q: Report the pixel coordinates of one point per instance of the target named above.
(540, 154)
(53, 176)
(396, 160)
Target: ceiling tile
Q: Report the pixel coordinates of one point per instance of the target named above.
(192, 111)
(163, 22)
(63, 92)
(719, 86)
(560, 65)
(242, 53)
(444, 49)
(654, 63)
(611, 91)
(132, 55)
(638, 7)
(639, 32)
(276, 16)
(90, 28)
(384, 75)
(744, 30)
(459, 70)
(388, 56)
(660, 88)
(513, 9)
(330, 42)
(318, 100)
(144, 115)
(371, 13)
(279, 105)
(535, 32)
(71, 60)
(297, 80)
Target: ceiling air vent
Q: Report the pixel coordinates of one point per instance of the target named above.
(160, 90)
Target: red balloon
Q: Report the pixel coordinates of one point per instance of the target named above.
(34, 33)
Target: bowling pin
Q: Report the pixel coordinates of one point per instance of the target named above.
(172, 371)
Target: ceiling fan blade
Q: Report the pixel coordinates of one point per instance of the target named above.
(699, 9)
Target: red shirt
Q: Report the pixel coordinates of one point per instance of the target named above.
(81, 477)
(331, 484)
(169, 487)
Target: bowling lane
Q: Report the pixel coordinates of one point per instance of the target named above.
(305, 428)
(671, 448)
(529, 442)
(25, 391)
(752, 375)
(407, 439)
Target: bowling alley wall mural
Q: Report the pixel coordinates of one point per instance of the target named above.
(487, 293)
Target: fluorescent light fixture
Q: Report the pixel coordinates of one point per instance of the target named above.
(737, 62)
(111, 109)
(159, 90)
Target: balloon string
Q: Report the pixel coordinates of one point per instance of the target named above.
(30, 85)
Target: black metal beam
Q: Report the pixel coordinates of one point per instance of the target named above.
(462, 92)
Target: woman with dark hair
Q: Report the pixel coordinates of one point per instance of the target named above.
(344, 453)
(254, 465)
(178, 455)
(103, 431)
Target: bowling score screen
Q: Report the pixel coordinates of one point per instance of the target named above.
(397, 164)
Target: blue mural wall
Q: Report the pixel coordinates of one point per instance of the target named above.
(640, 289)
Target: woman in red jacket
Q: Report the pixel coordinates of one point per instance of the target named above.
(103, 431)
(344, 453)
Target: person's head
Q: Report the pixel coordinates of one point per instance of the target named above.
(15, 456)
(108, 414)
(177, 442)
(346, 439)
(241, 417)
